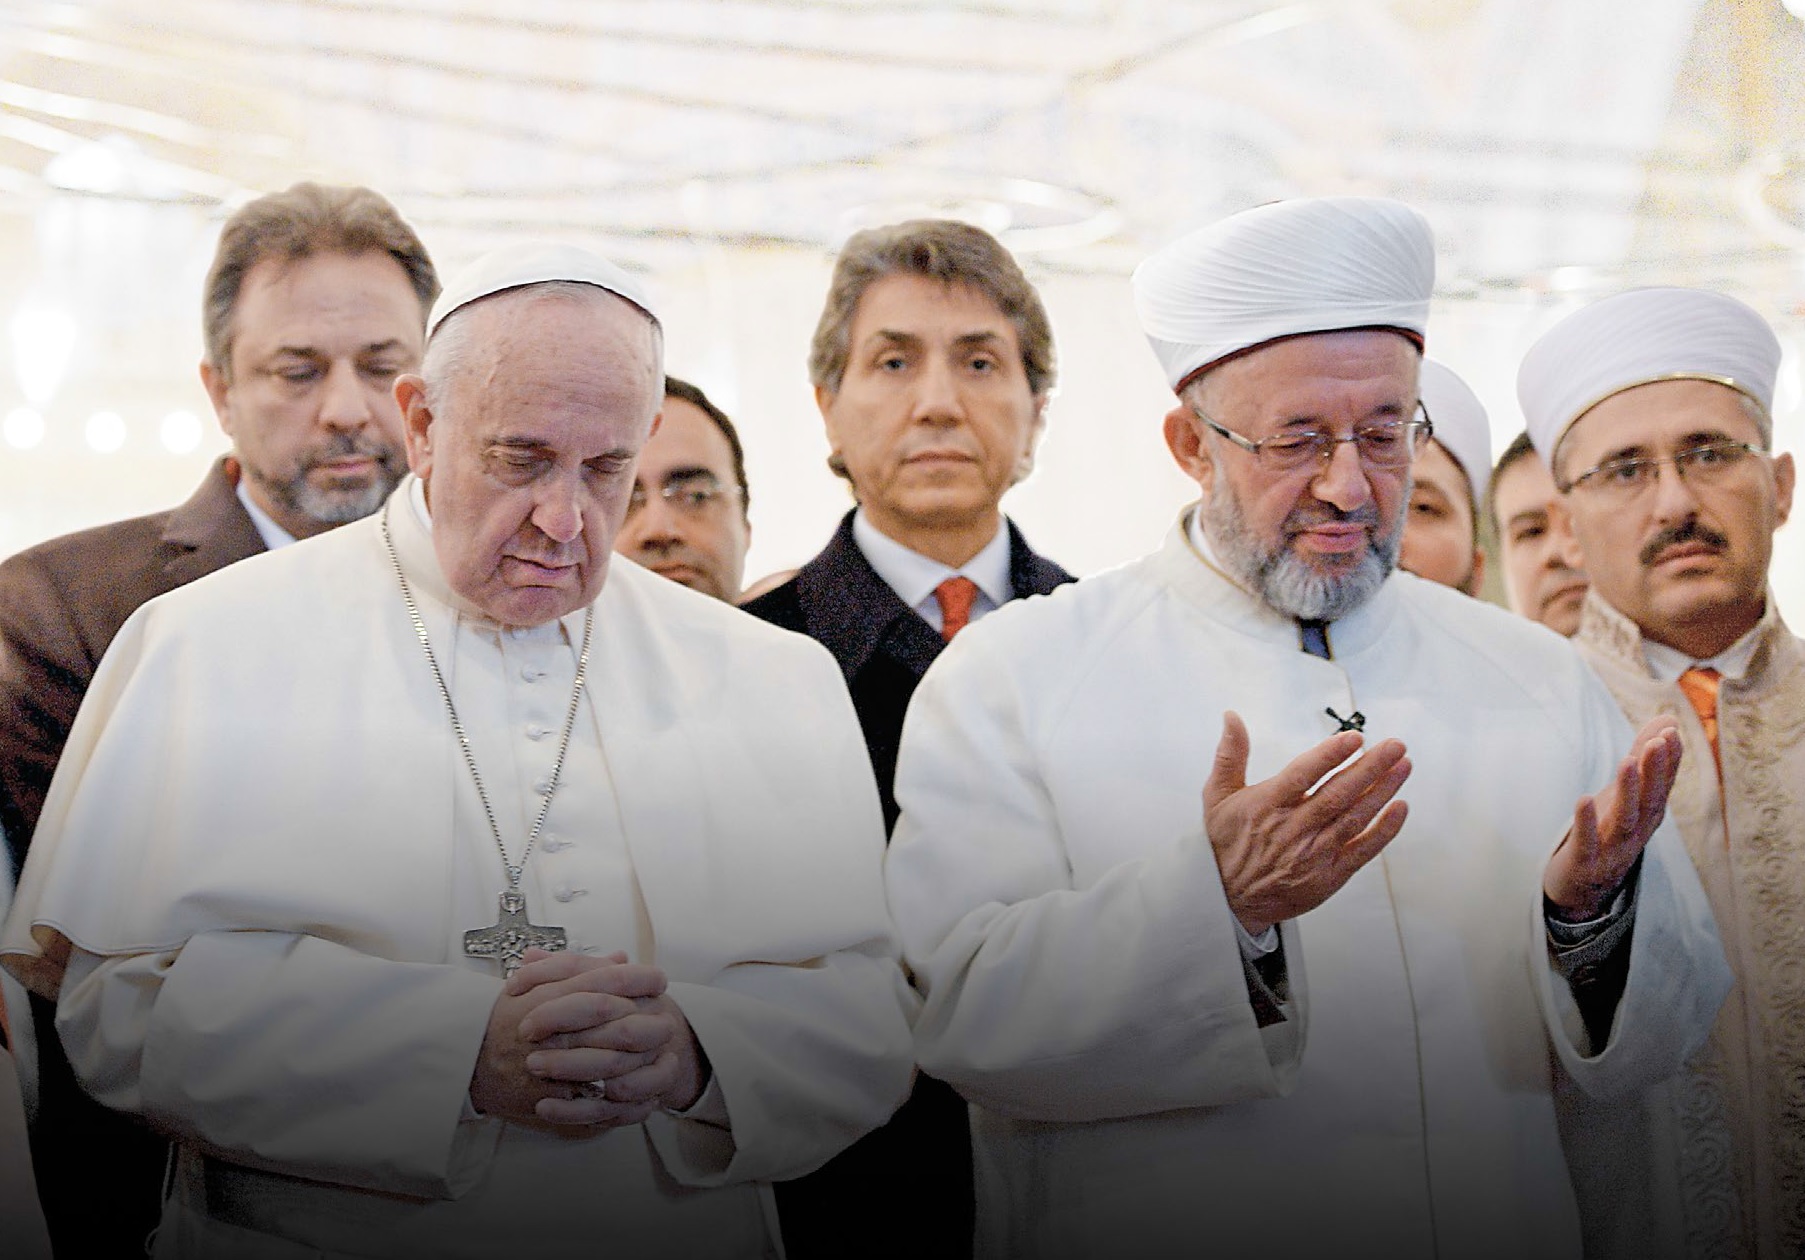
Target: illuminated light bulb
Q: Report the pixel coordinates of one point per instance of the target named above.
(181, 432)
(106, 431)
(23, 428)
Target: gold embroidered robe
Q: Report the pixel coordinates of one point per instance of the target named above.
(1740, 1110)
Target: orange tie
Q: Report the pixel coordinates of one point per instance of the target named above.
(1699, 686)
(955, 596)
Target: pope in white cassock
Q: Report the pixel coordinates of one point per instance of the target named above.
(1211, 984)
(316, 804)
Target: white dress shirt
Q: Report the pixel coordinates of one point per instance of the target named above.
(1668, 664)
(273, 535)
(914, 576)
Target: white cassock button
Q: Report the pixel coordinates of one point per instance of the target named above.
(556, 844)
(532, 673)
(537, 730)
(567, 891)
(543, 786)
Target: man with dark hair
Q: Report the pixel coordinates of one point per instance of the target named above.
(315, 302)
(1543, 578)
(932, 366)
(687, 519)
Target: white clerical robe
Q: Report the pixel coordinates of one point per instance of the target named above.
(262, 849)
(1084, 983)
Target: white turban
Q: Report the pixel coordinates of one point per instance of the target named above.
(1460, 424)
(1282, 270)
(1636, 338)
(535, 262)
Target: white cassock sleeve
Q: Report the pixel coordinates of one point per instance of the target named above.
(1045, 1000)
(807, 1059)
(1678, 977)
(290, 1053)
(1677, 981)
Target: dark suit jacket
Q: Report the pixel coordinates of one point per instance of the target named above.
(883, 645)
(905, 1190)
(61, 603)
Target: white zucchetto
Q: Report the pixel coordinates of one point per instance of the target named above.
(1636, 338)
(535, 262)
(1282, 270)
(1460, 424)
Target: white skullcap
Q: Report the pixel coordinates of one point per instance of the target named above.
(1636, 338)
(1460, 424)
(535, 262)
(1282, 270)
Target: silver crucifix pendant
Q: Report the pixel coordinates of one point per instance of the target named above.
(512, 935)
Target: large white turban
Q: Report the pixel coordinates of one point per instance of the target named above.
(1460, 424)
(1282, 270)
(1637, 338)
(535, 262)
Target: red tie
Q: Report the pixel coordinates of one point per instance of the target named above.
(1699, 685)
(955, 596)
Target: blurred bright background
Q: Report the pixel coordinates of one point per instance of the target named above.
(1562, 150)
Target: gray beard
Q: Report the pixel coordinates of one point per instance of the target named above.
(1283, 580)
(341, 507)
(335, 507)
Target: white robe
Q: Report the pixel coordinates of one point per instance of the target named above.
(262, 849)
(1063, 911)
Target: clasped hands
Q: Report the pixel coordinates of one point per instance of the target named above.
(586, 1042)
(1287, 844)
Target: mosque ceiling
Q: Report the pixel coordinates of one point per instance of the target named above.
(1557, 147)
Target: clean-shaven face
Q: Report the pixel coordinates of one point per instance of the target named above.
(1438, 525)
(1541, 578)
(687, 521)
(527, 449)
(933, 417)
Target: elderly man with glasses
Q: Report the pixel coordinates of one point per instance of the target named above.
(688, 517)
(1210, 983)
(1653, 409)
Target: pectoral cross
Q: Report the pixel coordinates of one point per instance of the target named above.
(512, 935)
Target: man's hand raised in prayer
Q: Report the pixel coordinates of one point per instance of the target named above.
(1287, 844)
(610, 1035)
(1609, 829)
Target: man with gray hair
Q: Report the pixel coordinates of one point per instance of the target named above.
(532, 905)
(1202, 972)
(316, 300)
(932, 364)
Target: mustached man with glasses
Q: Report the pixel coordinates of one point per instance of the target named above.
(1654, 411)
(1262, 895)
(687, 518)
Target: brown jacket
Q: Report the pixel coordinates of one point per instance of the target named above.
(61, 603)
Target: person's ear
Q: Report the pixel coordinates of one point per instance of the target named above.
(416, 423)
(1185, 439)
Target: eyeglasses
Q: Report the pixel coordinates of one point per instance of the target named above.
(1702, 465)
(1389, 444)
(686, 498)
